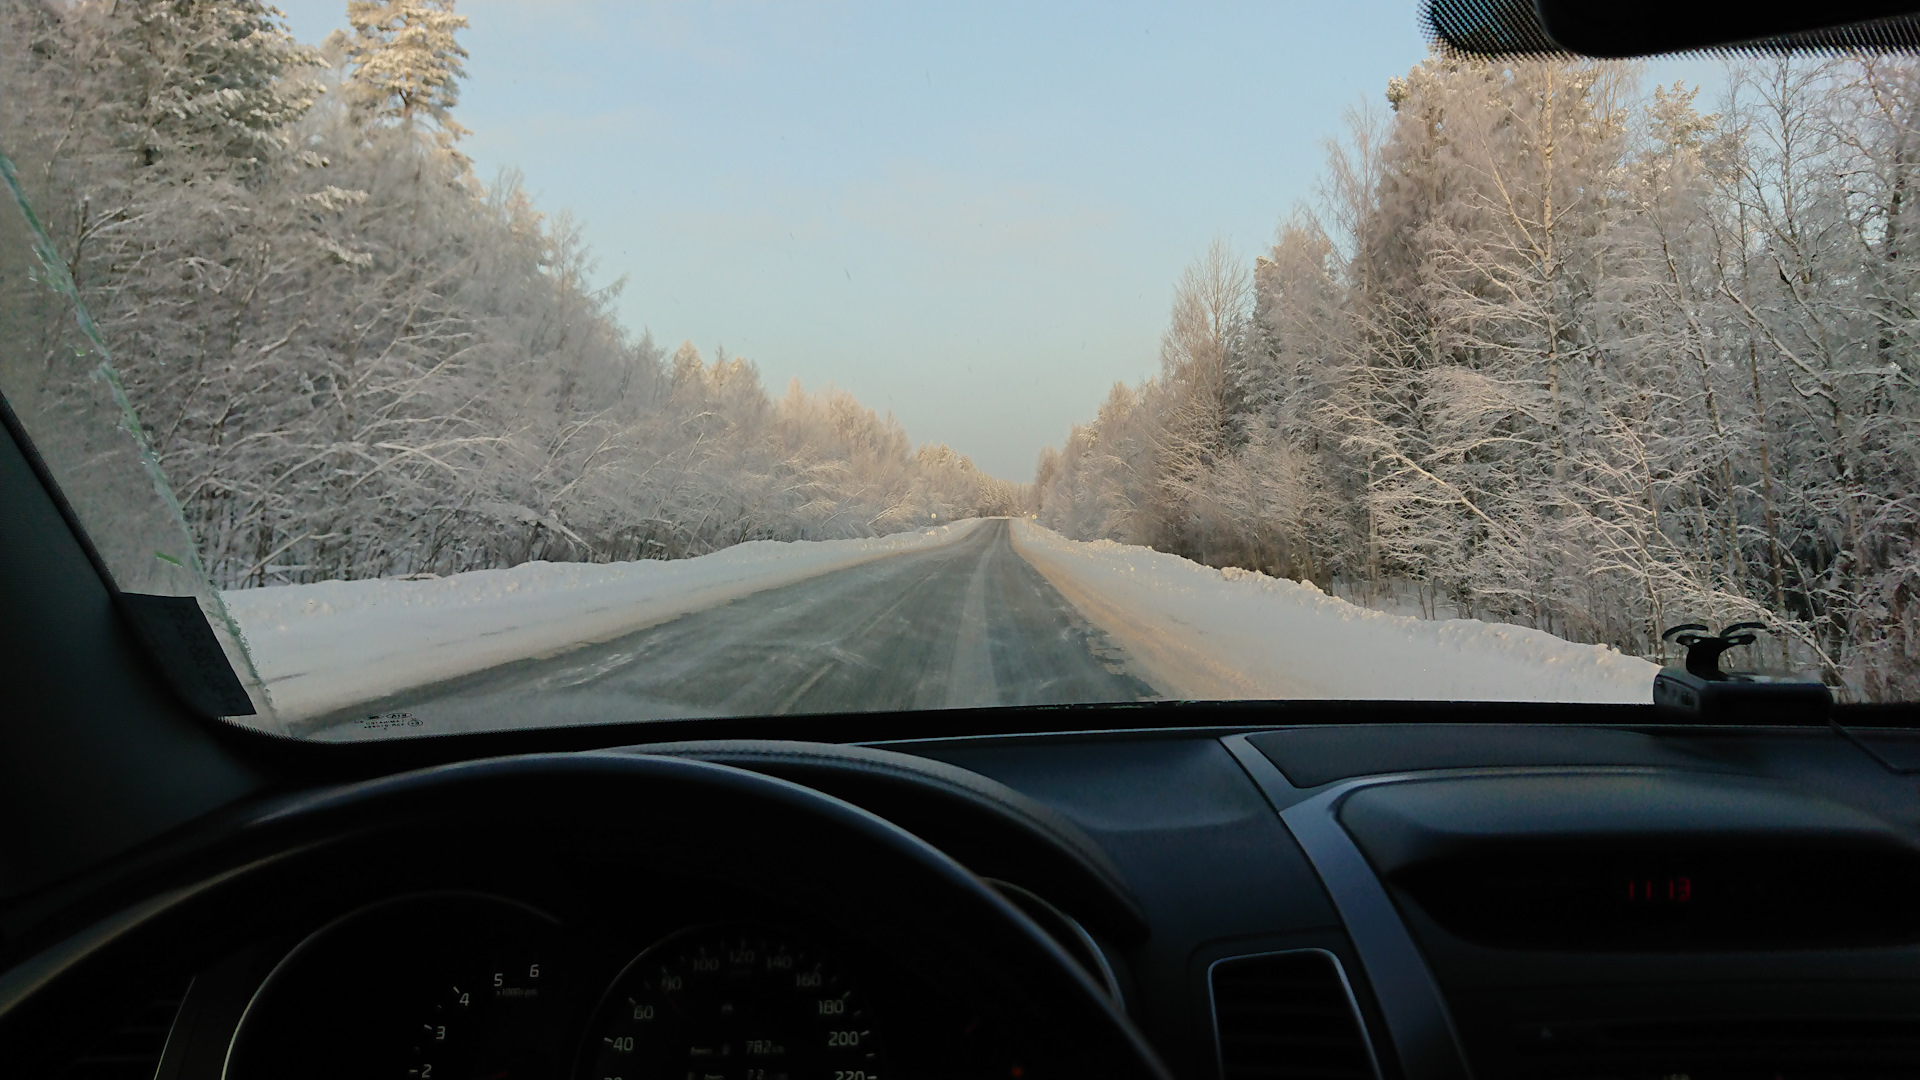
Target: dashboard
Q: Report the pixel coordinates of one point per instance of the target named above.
(1327, 900)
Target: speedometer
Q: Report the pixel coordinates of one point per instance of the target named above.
(734, 1003)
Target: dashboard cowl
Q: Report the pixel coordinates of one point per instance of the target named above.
(1310, 756)
(1639, 861)
(1402, 825)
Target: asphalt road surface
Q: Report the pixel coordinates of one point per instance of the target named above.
(967, 624)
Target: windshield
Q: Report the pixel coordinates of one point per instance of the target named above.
(501, 365)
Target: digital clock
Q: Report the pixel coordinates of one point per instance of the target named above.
(1623, 897)
(1667, 889)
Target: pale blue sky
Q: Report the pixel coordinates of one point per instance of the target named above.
(969, 214)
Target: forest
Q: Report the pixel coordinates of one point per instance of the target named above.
(1552, 347)
(352, 358)
(1553, 350)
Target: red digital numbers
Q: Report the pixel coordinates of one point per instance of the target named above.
(1671, 890)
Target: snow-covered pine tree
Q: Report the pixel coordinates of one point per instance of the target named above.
(196, 78)
(406, 63)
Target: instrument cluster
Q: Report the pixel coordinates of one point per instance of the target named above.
(474, 986)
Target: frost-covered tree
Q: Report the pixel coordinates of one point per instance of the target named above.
(1559, 352)
(194, 78)
(406, 62)
(352, 359)
(1199, 425)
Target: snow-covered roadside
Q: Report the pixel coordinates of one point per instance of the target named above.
(325, 646)
(1197, 632)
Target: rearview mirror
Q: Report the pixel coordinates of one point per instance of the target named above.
(1626, 28)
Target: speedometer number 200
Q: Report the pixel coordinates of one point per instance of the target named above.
(734, 1003)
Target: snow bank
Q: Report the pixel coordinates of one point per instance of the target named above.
(1197, 632)
(322, 647)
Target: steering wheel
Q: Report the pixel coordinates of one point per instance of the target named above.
(859, 870)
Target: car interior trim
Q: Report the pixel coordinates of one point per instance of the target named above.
(1416, 1016)
(40, 970)
(1346, 984)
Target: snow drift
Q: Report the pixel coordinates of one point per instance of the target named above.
(323, 647)
(1196, 632)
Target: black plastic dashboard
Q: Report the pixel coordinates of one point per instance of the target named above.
(1330, 900)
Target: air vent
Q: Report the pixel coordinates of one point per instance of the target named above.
(131, 1051)
(1288, 1016)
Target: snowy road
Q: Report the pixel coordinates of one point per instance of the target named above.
(965, 624)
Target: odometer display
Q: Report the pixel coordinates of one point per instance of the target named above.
(734, 1003)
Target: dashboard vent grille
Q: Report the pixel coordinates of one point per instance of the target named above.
(132, 1050)
(1288, 1016)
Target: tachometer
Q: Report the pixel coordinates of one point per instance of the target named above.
(734, 1002)
(441, 986)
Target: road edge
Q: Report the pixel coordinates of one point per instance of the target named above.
(1173, 667)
